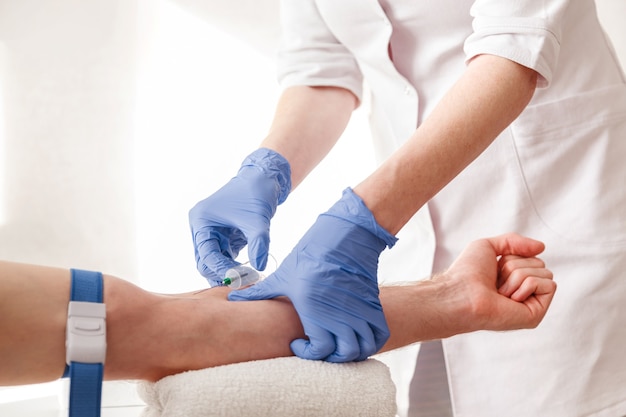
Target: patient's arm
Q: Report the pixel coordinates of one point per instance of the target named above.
(495, 284)
(148, 335)
(151, 335)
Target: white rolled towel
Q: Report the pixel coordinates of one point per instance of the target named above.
(275, 387)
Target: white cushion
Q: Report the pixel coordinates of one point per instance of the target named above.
(274, 387)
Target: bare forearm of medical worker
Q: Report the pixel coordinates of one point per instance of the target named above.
(307, 124)
(150, 336)
(492, 92)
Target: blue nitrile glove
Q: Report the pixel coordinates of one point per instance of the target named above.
(239, 213)
(331, 279)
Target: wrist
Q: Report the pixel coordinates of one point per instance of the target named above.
(380, 192)
(352, 208)
(459, 302)
(425, 310)
(274, 166)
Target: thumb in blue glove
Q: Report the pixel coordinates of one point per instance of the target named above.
(239, 214)
(331, 279)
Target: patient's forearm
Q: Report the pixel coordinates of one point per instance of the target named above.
(203, 329)
(425, 310)
(221, 332)
(496, 284)
(150, 335)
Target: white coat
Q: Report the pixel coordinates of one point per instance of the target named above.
(557, 174)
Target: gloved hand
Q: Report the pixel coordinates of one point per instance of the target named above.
(239, 213)
(331, 279)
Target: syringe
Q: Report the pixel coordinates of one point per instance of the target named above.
(241, 276)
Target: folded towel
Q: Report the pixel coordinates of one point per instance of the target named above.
(274, 387)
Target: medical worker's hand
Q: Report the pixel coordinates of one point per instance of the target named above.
(239, 213)
(331, 279)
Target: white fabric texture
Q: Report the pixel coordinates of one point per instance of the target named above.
(528, 33)
(274, 387)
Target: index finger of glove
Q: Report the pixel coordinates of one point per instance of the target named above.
(210, 260)
(257, 250)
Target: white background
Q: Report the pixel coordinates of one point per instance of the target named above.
(116, 116)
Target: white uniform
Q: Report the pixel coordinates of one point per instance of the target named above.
(557, 174)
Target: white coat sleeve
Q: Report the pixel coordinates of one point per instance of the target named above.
(525, 31)
(310, 54)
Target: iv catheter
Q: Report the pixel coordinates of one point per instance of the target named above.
(241, 276)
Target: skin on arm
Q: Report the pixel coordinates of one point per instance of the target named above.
(150, 336)
(495, 284)
(307, 123)
(490, 95)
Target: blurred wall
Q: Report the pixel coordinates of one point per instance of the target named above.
(67, 74)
